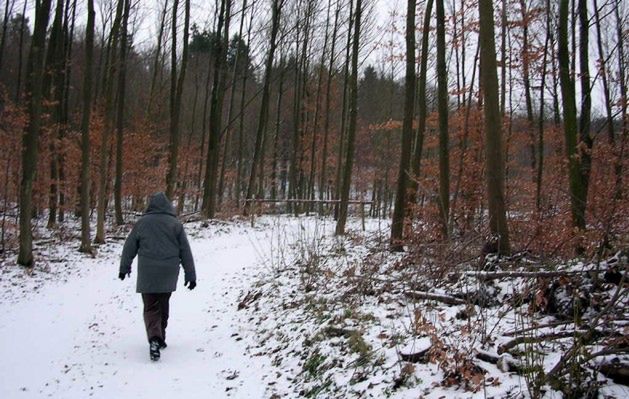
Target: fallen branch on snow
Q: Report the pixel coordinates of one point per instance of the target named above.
(447, 299)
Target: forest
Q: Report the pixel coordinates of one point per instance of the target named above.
(464, 155)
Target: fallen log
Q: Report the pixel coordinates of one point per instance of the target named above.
(417, 357)
(250, 298)
(533, 328)
(422, 295)
(523, 274)
(339, 332)
(504, 362)
(617, 371)
(535, 339)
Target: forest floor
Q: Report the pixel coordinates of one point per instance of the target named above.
(282, 309)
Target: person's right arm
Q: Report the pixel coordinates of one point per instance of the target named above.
(129, 251)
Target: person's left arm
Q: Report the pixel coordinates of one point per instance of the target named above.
(187, 261)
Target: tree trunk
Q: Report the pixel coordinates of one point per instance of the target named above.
(315, 126)
(18, 86)
(8, 10)
(158, 54)
(109, 73)
(278, 125)
(494, 165)
(264, 107)
(176, 87)
(540, 141)
(442, 102)
(216, 110)
(466, 132)
(526, 78)
(422, 109)
(65, 106)
(603, 71)
(86, 246)
(191, 128)
(401, 195)
(122, 77)
(53, 93)
(342, 131)
(576, 188)
(351, 130)
(30, 140)
(622, 72)
(585, 153)
(232, 96)
(503, 56)
(326, 124)
(241, 124)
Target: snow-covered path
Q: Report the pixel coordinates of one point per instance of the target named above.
(85, 337)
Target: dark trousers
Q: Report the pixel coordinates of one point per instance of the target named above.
(156, 315)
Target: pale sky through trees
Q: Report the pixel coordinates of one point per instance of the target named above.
(385, 17)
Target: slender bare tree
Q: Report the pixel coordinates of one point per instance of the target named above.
(401, 194)
(86, 245)
(351, 130)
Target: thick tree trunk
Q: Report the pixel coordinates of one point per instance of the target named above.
(30, 140)
(494, 165)
(401, 194)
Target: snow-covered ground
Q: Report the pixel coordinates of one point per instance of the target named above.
(73, 330)
(282, 309)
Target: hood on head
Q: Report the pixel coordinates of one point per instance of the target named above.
(159, 203)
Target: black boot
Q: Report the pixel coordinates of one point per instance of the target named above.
(154, 349)
(162, 342)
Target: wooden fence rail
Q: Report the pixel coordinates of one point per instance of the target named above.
(261, 201)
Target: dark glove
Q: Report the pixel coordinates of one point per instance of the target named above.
(190, 284)
(121, 276)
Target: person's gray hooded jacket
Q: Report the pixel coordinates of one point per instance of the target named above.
(159, 240)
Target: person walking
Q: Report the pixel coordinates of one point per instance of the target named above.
(159, 240)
